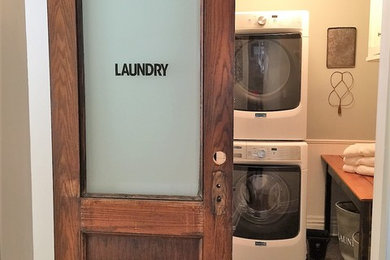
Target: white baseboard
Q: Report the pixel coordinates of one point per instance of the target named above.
(317, 222)
(337, 141)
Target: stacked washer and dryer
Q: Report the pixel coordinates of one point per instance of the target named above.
(270, 155)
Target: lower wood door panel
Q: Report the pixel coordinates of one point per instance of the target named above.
(130, 247)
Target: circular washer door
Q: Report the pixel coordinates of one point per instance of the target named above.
(266, 201)
(262, 199)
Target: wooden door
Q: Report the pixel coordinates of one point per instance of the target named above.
(108, 226)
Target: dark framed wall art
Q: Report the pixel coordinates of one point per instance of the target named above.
(341, 47)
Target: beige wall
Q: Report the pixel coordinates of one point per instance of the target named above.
(357, 122)
(16, 216)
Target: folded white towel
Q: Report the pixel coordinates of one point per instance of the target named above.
(365, 170)
(360, 149)
(349, 168)
(359, 160)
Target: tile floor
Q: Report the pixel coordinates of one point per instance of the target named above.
(333, 252)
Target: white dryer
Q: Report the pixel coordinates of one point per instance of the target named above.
(269, 200)
(270, 90)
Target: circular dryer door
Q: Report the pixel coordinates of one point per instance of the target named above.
(267, 72)
(266, 201)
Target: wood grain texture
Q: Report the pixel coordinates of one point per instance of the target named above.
(104, 247)
(181, 219)
(65, 132)
(142, 216)
(361, 186)
(218, 120)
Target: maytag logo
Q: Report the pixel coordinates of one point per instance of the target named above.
(141, 69)
(260, 243)
(261, 115)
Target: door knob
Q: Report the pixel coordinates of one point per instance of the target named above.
(219, 158)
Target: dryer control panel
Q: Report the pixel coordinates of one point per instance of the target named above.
(266, 151)
(272, 21)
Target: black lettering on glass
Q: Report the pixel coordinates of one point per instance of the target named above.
(116, 70)
(132, 70)
(149, 69)
(157, 70)
(141, 69)
(125, 69)
(164, 69)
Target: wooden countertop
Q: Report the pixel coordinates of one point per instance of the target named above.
(360, 185)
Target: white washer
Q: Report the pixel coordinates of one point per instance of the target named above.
(270, 90)
(269, 200)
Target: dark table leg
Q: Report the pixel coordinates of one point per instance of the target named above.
(328, 204)
(365, 230)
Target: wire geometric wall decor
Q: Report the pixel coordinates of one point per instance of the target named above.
(341, 95)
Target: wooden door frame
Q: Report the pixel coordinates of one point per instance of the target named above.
(74, 215)
(381, 200)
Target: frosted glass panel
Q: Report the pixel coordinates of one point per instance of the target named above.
(142, 96)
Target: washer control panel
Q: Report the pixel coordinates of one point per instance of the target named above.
(273, 152)
(262, 20)
(266, 151)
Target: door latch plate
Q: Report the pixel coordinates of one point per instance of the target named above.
(219, 193)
